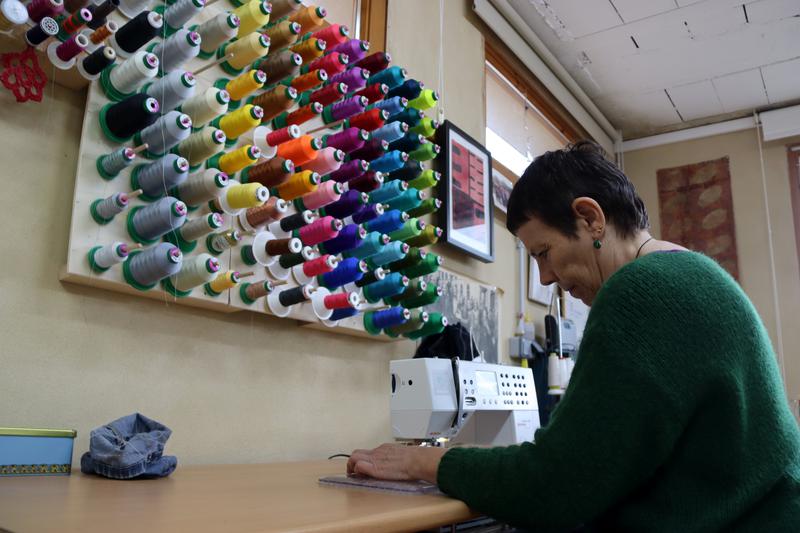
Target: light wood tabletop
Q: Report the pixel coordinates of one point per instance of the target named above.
(230, 498)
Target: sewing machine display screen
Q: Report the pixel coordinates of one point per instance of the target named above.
(487, 383)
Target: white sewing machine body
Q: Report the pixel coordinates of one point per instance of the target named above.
(464, 401)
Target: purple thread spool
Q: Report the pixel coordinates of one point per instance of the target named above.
(351, 236)
(367, 182)
(355, 78)
(347, 108)
(349, 170)
(71, 48)
(367, 213)
(355, 49)
(372, 149)
(349, 203)
(348, 140)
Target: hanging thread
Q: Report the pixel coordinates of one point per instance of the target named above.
(158, 177)
(198, 270)
(148, 224)
(165, 133)
(144, 269)
(110, 165)
(122, 120)
(202, 187)
(206, 106)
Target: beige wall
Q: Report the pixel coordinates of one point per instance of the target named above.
(751, 227)
(234, 388)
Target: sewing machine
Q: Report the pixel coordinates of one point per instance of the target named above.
(464, 401)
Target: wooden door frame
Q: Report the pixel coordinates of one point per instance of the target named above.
(793, 159)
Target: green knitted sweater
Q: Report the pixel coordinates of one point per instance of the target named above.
(675, 419)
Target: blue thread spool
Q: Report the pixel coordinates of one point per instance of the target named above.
(349, 270)
(388, 222)
(393, 284)
(411, 170)
(164, 134)
(371, 245)
(148, 224)
(375, 321)
(388, 191)
(159, 176)
(392, 106)
(394, 251)
(409, 142)
(340, 314)
(349, 238)
(392, 77)
(349, 203)
(367, 212)
(389, 162)
(409, 89)
(410, 116)
(144, 269)
(391, 132)
(410, 199)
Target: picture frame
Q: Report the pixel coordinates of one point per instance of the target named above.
(538, 293)
(465, 189)
(501, 190)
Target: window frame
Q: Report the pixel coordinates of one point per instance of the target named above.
(793, 159)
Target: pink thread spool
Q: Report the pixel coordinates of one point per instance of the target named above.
(320, 230)
(268, 140)
(328, 160)
(39, 9)
(307, 272)
(327, 193)
(62, 55)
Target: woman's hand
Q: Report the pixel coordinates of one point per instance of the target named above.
(396, 462)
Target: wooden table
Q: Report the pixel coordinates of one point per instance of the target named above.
(247, 498)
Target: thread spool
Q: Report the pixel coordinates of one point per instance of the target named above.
(280, 65)
(414, 257)
(411, 228)
(306, 272)
(375, 62)
(130, 8)
(74, 22)
(202, 187)
(310, 49)
(239, 122)
(299, 116)
(372, 149)
(201, 145)
(409, 89)
(46, 28)
(418, 320)
(177, 49)
(219, 242)
(391, 76)
(110, 165)
(251, 292)
(429, 265)
(172, 89)
(392, 285)
(37, 10)
(266, 249)
(328, 160)
(97, 62)
(326, 193)
(283, 34)
(372, 276)
(136, 33)
(280, 269)
(325, 96)
(428, 206)
(426, 152)
(100, 12)
(350, 237)
(193, 230)
(348, 271)
(408, 200)
(367, 182)
(290, 223)
(389, 161)
(371, 245)
(101, 258)
(426, 127)
(392, 106)
(430, 235)
(269, 173)
(244, 84)
(120, 121)
(332, 63)
(394, 251)
(275, 101)
(412, 117)
(279, 302)
(194, 272)
(347, 140)
(367, 213)
(334, 35)
(355, 49)
(429, 296)
(62, 55)
(354, 78)
(299, 184)
(391, 132)
(411, 170)
(427, 179)
(148, 224)
(373, 93)
(435, 325)
(164, 134)
(349, 170)
(369, 120)
(256, 217)
(320, 230)
(389, 191)
(415, 288)
(309, 18)
(144, 269)
(324, 303)
(157, 178)
(349, 203)
(340, 314)
(243, 52)
(425, 100)
(215, 32)
(375, 321)
(282, 8)
(268, 140)
(311, 80)
(221, 283)
(103, 210)
(234, 161)
(387, 222)
(204, 107)
(252, 16)
(181, 12)
(120, 81)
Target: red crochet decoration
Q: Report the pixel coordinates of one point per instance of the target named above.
(23, 76)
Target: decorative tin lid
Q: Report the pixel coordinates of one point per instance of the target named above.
(31, 432)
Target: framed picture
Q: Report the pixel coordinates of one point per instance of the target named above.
(466, 189)
(541, 294)
(501, 190)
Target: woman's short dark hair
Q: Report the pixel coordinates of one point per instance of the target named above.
(549, 185)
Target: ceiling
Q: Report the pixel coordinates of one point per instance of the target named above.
(653, 66)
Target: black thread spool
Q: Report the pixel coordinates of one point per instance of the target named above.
(98, 60)
(138, 31)
(122, 120)
(294, 296)
(71, 6)
(100, 12)
(44, 29)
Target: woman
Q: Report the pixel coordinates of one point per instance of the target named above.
(675, 419)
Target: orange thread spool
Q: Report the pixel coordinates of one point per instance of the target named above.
(271, 210)
(304, 114)
(310, 49)
(300, 150)
(103, 32)
(309, 18)
(299, 184)
(313, 79)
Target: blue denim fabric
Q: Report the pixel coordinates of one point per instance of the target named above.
(129, 447)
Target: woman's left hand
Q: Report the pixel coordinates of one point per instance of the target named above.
(396, 462)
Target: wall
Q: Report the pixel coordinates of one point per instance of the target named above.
(750, 218)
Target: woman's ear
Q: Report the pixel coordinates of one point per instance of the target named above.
(590, 216)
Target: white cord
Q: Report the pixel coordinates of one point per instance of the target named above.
(778, 328)
(440, 102)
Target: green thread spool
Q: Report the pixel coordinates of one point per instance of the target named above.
(430, 235)
(425, 152)
(429, 265)
(426, 100)
(411, 228)
(418, 320)
(430, 295)
(428, 206)
(436, 324)
(426, 127)
(427, 179)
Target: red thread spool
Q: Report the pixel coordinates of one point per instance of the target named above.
(334, 34)
(369, 120)
(282, 135)
(76, 21)
(69, 49)
(306, 82)
(329, 94)
(304, 114)
(321, 230)
(375, 62)
(332, 63)
(374, 92)
(339, 300)
(39, 9)
(319, 266)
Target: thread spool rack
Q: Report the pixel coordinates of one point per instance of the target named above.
(85, 233)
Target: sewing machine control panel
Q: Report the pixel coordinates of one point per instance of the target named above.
(496, 387)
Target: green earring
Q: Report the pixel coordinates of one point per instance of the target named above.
(597, 244)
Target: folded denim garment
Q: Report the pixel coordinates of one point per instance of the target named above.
(129, 447)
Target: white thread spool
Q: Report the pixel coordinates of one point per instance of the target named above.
(179, 48)
(181, 12)
(131, 8)
(131, 73)
(202, 144)
(553, 375)
(195, 272)
(12, 13)
(217, 31)
(206, 106)
(202, 187)
(172, 89)
(201, 226)
(110, 255)
(164, 133)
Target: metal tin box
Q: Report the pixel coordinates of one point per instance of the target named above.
(35, 452)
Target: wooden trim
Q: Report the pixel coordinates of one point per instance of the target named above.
(793, 157)
(373, 24)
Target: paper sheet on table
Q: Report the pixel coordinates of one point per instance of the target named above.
(412, 487)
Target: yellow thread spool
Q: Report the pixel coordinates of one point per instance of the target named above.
(252, 15)
(246, 196)
(223, 282)
(245, 84)
(310, 49)
(247, 50)
(233, 162)
(298, 184)
(241, 121)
